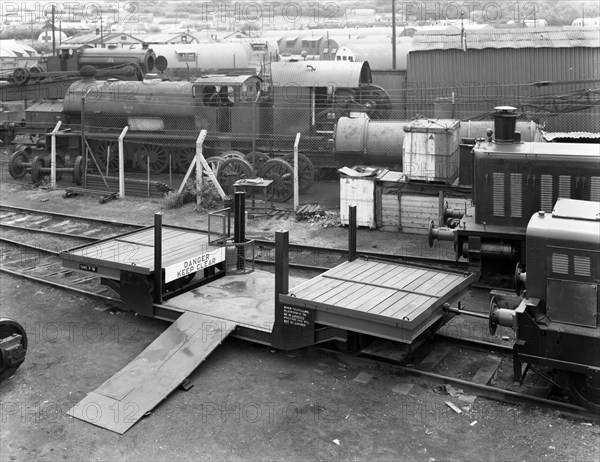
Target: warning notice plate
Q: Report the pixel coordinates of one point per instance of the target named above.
(191, 265)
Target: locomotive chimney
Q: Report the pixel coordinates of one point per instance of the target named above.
(505, 120)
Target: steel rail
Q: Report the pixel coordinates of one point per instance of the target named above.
(484, 391)
(425, 261)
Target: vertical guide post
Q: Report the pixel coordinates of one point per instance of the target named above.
(122, 162)
(158, 257)
(239, 229)
(282, 242)
(352, 233)
(296, 186)
(53, 152)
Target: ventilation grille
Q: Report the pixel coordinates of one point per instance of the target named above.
(582, 266)
(516, 195)
(498, 187)
(546, 193)
(560, 263)
(595, 189)
(564, 186)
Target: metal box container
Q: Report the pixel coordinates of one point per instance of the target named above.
(361, 193)
(431, 150)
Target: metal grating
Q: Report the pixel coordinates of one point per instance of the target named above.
(498, 192)
(516, 195)
(546, 193)
(564, 186)
(582, 266)
(595, 189)
(560, 263)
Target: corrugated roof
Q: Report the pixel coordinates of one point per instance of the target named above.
(510, 38)
(342, 74)
(550, 136)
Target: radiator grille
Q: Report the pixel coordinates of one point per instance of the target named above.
(498, 187)
(564, 186)
(582, 266)
(560, 263)
(516, 195)
(595, 189)
(546, 193)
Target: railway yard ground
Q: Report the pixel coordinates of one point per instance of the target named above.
(250, 402)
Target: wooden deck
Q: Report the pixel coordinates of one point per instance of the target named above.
(384, 299)
(134, 252)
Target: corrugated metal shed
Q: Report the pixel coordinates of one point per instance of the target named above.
(509, 38)
(341, 74)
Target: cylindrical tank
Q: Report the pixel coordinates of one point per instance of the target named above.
(108, 57)
(361, 141)
(123, 98)
(371, 142)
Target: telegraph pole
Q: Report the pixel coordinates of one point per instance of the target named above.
(393, 34)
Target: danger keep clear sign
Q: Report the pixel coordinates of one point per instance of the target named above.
(191, 265)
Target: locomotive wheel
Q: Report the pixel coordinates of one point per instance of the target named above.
(20, 75)
(37, 164)
(183, 157)
(376, 102)
(283, 178)
(236, 168)
(492, 321)
(101, 153)
(519, 286)
(306, 171)
(78, 170)
(214, 163)
(34, 73)
(232, 155)
(15, 166)
(582, 390)
(159, 158)
(13, 346)
(257, 159)
(60, 163)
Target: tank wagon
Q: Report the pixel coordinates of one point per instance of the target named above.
(512, 180)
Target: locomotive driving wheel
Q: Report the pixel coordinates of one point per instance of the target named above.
(158, 155)
(34, 73)
(233, 154)
(376, 101)
(257, 159)
(583, 390)
(20, 75)
(13, 346)
(101, 152)
(234, 169)
(306, 171)
(283, 178)
(183, 157)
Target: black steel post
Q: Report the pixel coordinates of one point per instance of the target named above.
(158, 279)
(352, 233)
(282, 242)
(239, 230)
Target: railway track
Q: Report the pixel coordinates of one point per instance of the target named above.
(32, 239)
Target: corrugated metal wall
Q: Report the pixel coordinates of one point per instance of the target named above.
(482, 79)
(394, 82)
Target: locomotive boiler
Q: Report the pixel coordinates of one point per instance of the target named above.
(512, 180)
(557, 320)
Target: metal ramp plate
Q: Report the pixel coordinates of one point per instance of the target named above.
(141, 385)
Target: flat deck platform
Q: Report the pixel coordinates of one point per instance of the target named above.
(388, 300)
(134, 251)
(248, 300)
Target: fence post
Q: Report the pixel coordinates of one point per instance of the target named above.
(296, 186)
(122, 162)
(53, 156)
(199, 167)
